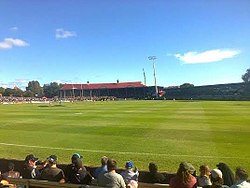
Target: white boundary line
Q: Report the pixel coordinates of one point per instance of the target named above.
(119, 152)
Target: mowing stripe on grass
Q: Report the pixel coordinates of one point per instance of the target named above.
(118, 152)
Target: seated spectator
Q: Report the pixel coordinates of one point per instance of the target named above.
(217, 179)
(203, 180)
(153, 176)
(130, 174)
(69, 167)
(184, 177)
(30, 170)
(11, 173)
(103, 168)
(228, 176)
(51, 172)
(111, 178)
(78, 174)
(241, 176)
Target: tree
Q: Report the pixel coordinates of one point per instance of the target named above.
(186, 85)
(2, 90)
(34, 89)
(28, 94)
(8, 92)
(246, 77)
(52, 89)
(17, 92)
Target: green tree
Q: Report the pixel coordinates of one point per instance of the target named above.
(186, 85)
(52, 89)
(28, 94)
(34, 89)
(246, 77)
(17, 92)
(8, 92)
(2, 90)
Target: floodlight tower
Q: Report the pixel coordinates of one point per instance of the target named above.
(153, 58)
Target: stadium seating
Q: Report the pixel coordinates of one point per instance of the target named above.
(46, 184)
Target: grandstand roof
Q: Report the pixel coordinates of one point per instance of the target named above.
(102, 85)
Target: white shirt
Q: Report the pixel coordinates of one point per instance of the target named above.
(241, 184)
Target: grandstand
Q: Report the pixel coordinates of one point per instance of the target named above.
(135, 90)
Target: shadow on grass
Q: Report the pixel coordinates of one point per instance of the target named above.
(57, 105)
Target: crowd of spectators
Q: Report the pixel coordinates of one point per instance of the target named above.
(107, 176)
(15, 100)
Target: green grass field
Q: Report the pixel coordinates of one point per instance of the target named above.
(166, 132)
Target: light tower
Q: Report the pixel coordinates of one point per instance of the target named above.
(153, 58)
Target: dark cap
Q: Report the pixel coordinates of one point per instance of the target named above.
(76, 156)
(129, 165)
(31, 157)
(52, 158)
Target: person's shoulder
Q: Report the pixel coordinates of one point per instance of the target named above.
(124, 172)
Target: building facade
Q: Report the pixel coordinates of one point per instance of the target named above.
(135, 90)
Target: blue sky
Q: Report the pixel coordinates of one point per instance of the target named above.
(74, 41)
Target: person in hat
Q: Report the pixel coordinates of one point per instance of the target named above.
(70, 167)
(102, 168)
(228, 175)
(241, 176)
(78, 174)
(217, 179)
(30, 170)
(184, 177)
(153, 176)
(75, 156)
(130, 173)
(111, 178)
(51, 172)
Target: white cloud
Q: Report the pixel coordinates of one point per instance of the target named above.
(61, 33)
(13, 28)
(59, 81)
(20, 83)
(8, 43)
(207, 56)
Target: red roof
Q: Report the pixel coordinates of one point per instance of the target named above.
(102, 86)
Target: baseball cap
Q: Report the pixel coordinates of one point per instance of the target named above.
(187, 166)
(31, 157)
(129, 164)
(76, 156)
(52, 158)
(216, 173)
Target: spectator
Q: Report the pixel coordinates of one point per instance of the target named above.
(103, 168)
(69, 167)
(153, 176)
(11, 173)
(130, 174)
(111, 178)
(241, 176)
(30, 170)
(184, 177)
(51, 172)
(78, 174)
(228, 176)
(203, 180)
(217, 179)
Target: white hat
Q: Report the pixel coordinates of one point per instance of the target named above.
(216, 173)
